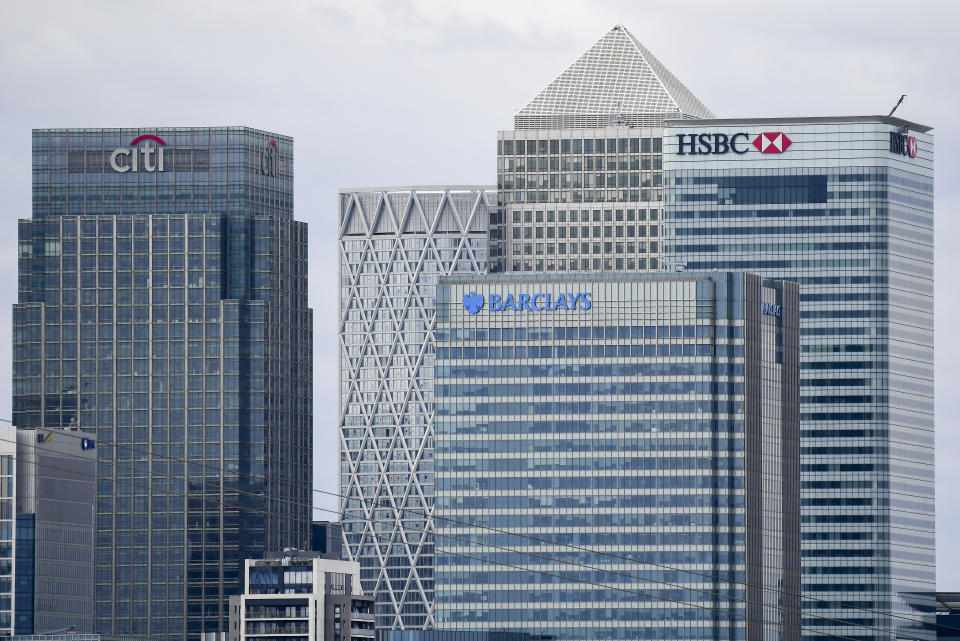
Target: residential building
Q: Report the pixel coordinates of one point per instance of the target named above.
(162, 307)
(617, 456)
(844, 207)
(301, 596)
(394, 244)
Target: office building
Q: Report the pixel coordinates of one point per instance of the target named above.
(579, 180)
(844, 207)
(617, 456)
(162, 306)
(301, 596)
(54, 475)
(47, 515)
(394, 244)
(326, 537)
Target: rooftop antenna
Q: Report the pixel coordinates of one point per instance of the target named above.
(618, 119)
(896, 105)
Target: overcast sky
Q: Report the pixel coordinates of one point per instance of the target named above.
(407, 92)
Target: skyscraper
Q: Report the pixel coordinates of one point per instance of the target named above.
(844, 207)
(163, 306)
(618, 456)
(579, 180)
(394, 245)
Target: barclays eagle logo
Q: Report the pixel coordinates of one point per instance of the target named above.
(473, 302)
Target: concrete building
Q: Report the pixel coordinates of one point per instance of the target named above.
(301, 596)
(394, 245)
(162, 306)
(579, 177)
(617, 453)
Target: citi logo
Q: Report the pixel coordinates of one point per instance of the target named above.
(473, 302)
(768, 142)
(270, 159)
(146, 158)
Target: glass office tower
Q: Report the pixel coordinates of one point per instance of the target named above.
(163, 306)
(617, 456)
(844, 207)
(579, 178)
(394, 245)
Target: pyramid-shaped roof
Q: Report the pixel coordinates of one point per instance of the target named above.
(616, 81)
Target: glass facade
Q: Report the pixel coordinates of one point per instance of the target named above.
(163, 307)
(8, 528)
(394, 245)
(617, 456)
(849, 216)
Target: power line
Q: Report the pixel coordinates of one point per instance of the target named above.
(647, 595)
(579, 548)
(532, 538)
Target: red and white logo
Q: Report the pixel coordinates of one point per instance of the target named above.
(912, 147)
(124, 160)
(270, 159)
(772, 142)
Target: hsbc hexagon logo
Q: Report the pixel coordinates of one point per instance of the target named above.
(903, 144)
(772, 142)
(717, 144)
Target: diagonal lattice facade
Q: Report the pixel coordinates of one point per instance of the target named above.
(394, 244)
(616, 81)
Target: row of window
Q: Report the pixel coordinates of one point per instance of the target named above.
(578, 163)
(596, 231)
(608, 215)
(518, 425)
(556, 146)
(597, 264)
(595, 332)
(675, 350)
(577, 181)
(564, 249)
(583, 196)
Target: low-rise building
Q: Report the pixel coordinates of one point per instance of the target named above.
(301, 596)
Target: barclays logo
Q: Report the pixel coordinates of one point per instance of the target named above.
(539, 302)
(473, 302)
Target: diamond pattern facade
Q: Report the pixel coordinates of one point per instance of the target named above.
(617, 81)
(394, 245)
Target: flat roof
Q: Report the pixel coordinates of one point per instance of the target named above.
(797, 120)
(417, 188)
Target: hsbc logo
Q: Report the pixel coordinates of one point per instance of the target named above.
(768, 142)
(903, 144)
(139, 158)
(775, 142)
